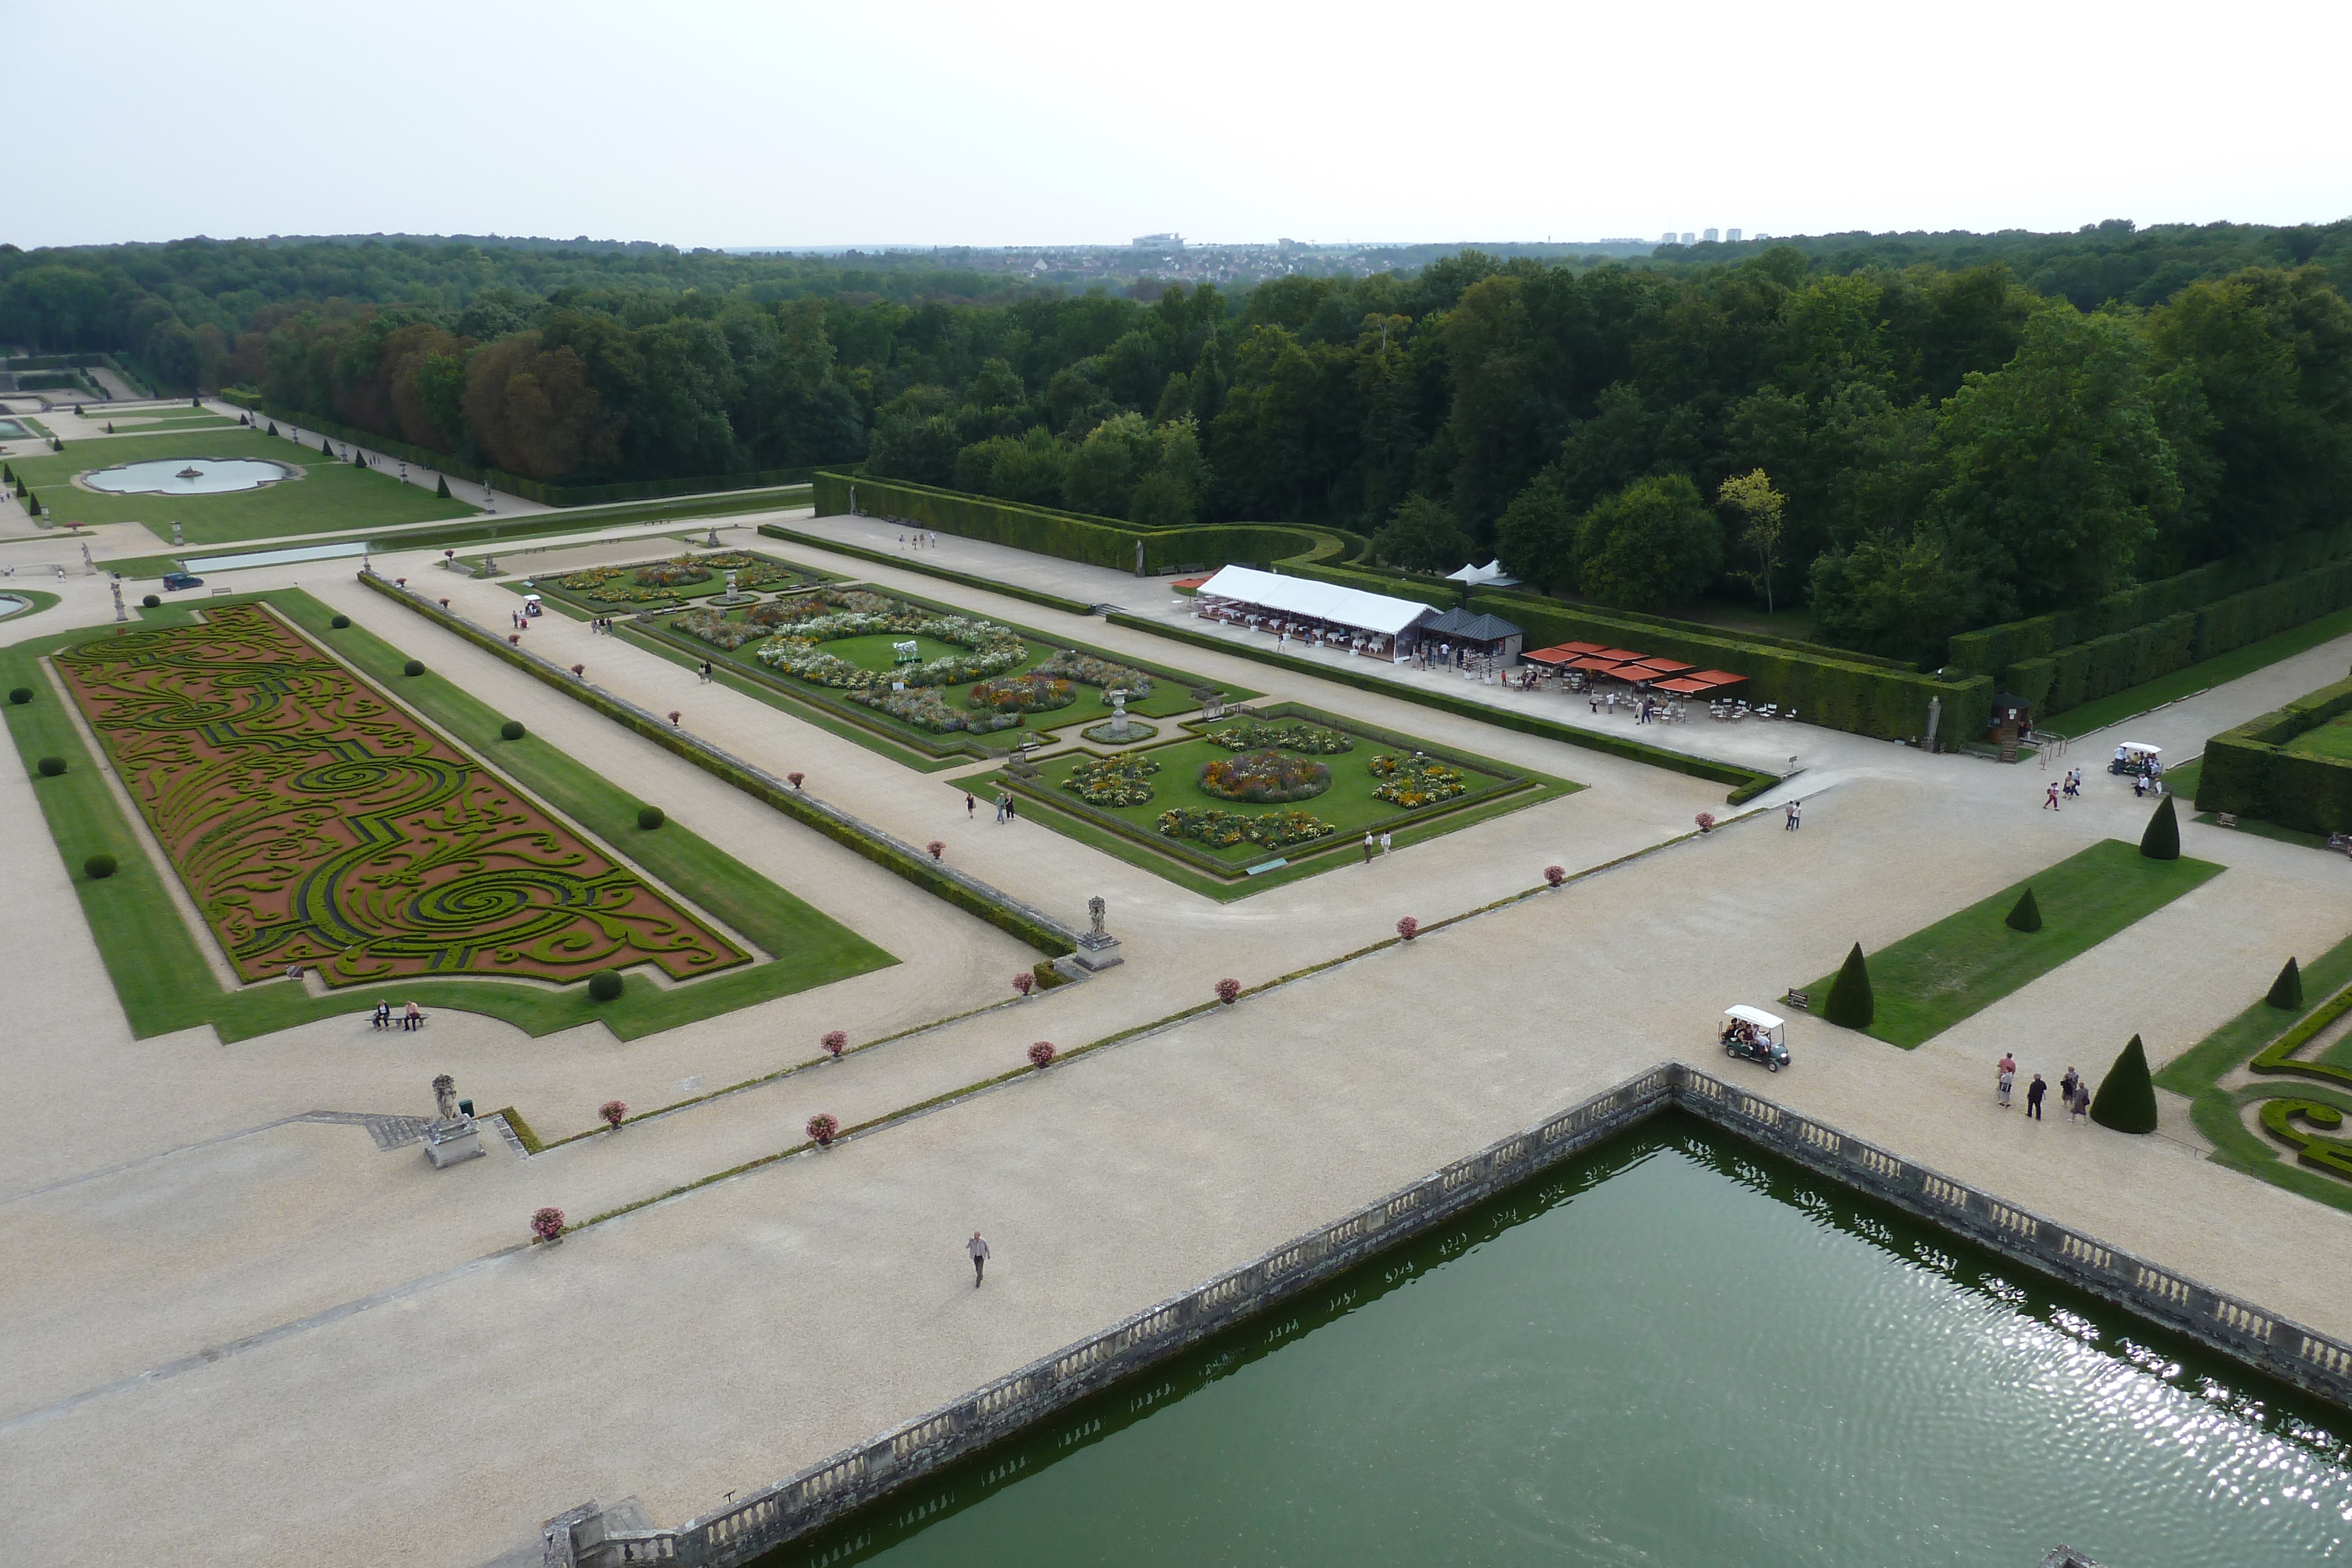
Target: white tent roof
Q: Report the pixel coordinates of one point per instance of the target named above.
(1756, 1016)
(1492, 572)
(1322, 600)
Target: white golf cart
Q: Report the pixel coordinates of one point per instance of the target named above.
(1752, 1034)
(2134, 757)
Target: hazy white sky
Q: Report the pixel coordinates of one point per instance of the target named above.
(703, 122)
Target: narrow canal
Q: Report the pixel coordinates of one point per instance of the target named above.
(1675, 1352)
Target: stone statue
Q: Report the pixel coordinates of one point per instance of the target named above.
(731, 585)
(453, 1136)
(119, 612)
(444, 1096)
(1118, 714)
(1096, 909)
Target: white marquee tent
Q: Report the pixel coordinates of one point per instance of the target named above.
(1303, 596)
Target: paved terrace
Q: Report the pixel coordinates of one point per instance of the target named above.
(457, 1391)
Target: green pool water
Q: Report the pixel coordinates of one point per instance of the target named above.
(1676, 1354)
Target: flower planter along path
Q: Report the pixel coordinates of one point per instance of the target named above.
(315, 823)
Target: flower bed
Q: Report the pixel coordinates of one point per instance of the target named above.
(990, 649)
(1113, 781)
(1031, 693)
(674, 573)
(1070, 664)
(715, 628)
(1256, 734)
(1415, 781)
(1265, 778)
(929, 708)
(1222, 829)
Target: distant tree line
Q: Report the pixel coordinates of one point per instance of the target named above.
(1909, 435)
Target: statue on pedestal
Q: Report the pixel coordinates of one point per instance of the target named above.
(452, 1136)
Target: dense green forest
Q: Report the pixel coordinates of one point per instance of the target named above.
(1908, 435)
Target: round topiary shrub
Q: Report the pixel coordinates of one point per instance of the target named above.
(510, 730)
(650, 816)
(413, 667)
(52, 766)
(605, 985)
(340, 623)
(97, 868)
(20, 695)
(154, 601)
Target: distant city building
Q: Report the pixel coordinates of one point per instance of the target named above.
(1732, 235)
(1667, 237)
(1158, 242)
(1687, 236)
(1709, 237)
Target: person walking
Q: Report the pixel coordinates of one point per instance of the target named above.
(1384, 843)
(969, 806)
(2005, 1074)
(1789, 825)
(2051, 804)
(706, 672)
(1797, 815)
(2033, 1093)
(2079, 1108)
(1012, 808)
(977, 1249)
(999, 807)
(1367, 846)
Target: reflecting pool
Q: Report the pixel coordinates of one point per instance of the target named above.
(1675, 1352)
(188, 476)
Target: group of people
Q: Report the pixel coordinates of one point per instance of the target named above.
(410, 1017)
(1005, 811)
(2070, 787)
(2074, 1090)
(1384, 846)
(602, 623)
(1740, 1031)
(918, 537)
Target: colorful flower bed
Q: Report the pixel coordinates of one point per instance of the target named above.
(674, 573)
(715, 628)
(1415, 781)
(1114, 781)
(1222, 829)
(929, 708)
(1265, 778)
(1088, 671)
(989, 649)
(316, 824)
(1256, 734)
(1031, 693)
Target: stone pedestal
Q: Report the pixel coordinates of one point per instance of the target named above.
(449, 1143)
(1097, 952)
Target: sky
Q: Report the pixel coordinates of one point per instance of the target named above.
(697, 122)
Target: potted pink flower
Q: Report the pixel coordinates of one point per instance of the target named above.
(578, 672)
(823, 1129)
(1229, 991)
(614, 1112)
(1705, 820)
(673, 719)
(938, 848)
(1555, 874)
(794, 778)
(1023, 982)
(1408, 929)
(836, 1041)
(1040, 1055)
(547, 1224)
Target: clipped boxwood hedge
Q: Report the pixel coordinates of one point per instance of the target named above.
(909, 863)
(2248, 772)
(906, 561)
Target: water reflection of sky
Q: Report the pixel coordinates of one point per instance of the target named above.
(168, 476)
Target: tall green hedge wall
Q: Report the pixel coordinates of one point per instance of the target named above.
(2070, 657)
(2247, 772)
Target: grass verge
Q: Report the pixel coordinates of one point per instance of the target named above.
(1967, 961)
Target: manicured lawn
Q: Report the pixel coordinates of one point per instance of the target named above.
(159, 973)
(1170, 689)
(597, 596)
(1131, 832)
(131, 424)
(2333, 739)
(2196, 678)
(328, 494)
(1964, 962)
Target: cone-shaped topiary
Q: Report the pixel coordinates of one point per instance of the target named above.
(2027, 916)
(2286, 991)
(2162, 840)
(1851, 1001)
(2126, 1096)
(444, 491)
